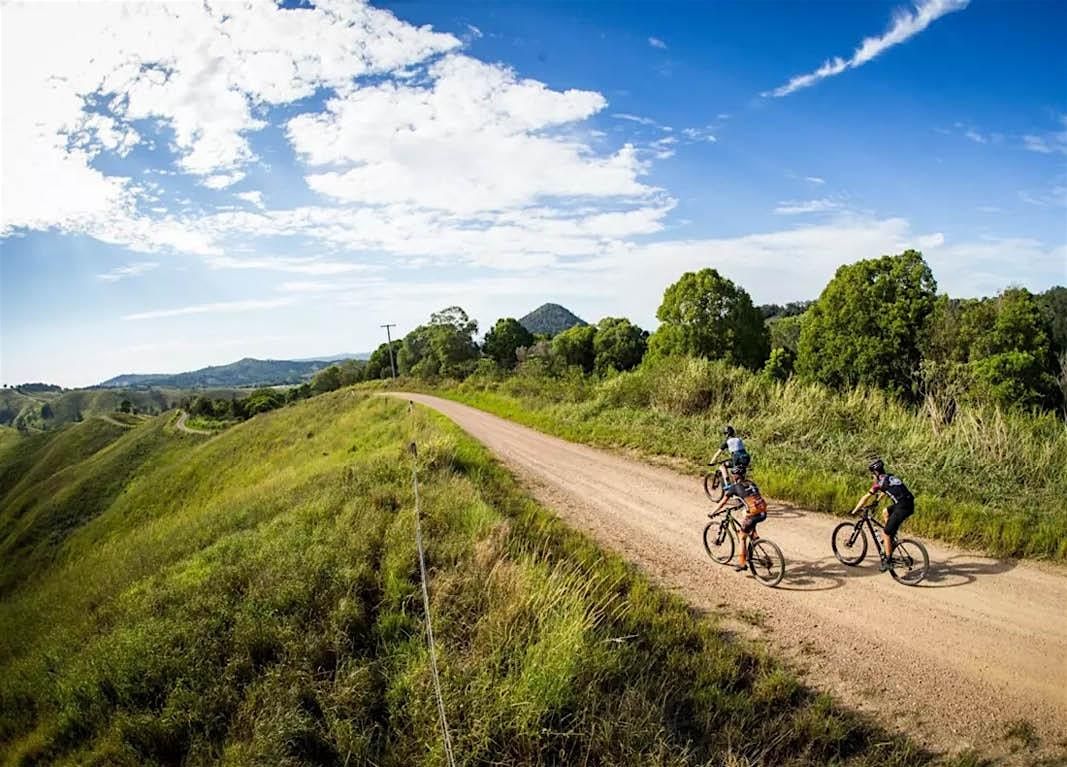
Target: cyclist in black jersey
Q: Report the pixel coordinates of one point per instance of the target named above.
(903, 505)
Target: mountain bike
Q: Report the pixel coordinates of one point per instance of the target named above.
(909, 564)
(765, 560)
(715, 481)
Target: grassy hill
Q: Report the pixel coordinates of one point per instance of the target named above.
(252, 598)
(550, 319)
(42, 411)
(243, 373)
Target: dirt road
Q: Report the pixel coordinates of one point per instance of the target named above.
(980, 645)
(181, 426)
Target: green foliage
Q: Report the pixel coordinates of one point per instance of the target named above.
(443, 348)
(868, 325)
(574, 347)
(379, 365)
(785, 332)
(704, 314)
(263, 400)
(1054, 303)
(779, 365)
(504, 340)
(253, 599)
(810, 443)
(125, 406)
(618, 345)
(326, 380)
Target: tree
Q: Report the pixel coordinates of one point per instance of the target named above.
(326, 380)
(574, 347)
(46, 411)
(125, 406)
(618, 345)
(262, 400)
(785, 331)
(704, 314)
(869, 324)
(1054, 303)
(378, 365)
(504, 340)
(444, 347)
(779, 365)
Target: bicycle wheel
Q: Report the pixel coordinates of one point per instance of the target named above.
(765, 561)
(849, 542)
(909, 563)
(713, 487)
(719, 540)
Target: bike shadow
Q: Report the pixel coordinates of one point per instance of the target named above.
(960, 571)
(815, 575)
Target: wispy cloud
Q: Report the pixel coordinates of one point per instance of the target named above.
(1054, 197)
(792, 208)
(655, 42)
(635, 118)
(905, 24)
(1053, 142)
(815, 180)
(315, 266)
(221, 307)
(256, 198)
(129, 270)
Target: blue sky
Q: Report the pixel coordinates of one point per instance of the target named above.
(186, 185)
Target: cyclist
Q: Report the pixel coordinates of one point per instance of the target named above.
(903, 505)
(739, 457)
(747, 491)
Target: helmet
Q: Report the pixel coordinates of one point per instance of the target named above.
(877, 466)
(729, 430)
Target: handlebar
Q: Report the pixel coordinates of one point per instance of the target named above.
(718, 463)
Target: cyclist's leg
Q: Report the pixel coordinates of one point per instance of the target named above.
(894, 518)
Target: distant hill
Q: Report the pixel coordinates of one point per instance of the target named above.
(246, 372)
(550, 319)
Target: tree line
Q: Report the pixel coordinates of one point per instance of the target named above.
(878, 323)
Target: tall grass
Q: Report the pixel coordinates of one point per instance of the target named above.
(989, 479)
(252, 599)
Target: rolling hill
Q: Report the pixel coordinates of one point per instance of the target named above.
(244, 372)
(253, 598)
(550, 319)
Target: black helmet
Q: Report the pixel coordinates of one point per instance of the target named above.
(729, 430)
(877, 466)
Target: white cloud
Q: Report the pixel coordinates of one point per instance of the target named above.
(256, 198)
(792, 208)
(815, 180)
(1054, 197)
(700, 134)
(288, 264)
(655, 42)
(223, 180)
(129, 270)
(905, 25)
(1051, 142)
(221, 307)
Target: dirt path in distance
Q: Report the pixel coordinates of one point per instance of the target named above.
(180, 425)
(953, 662)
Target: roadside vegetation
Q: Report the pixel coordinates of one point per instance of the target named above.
(251, 598)
(963, 398)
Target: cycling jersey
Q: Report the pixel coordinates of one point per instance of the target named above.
(894, 487)
(733, 445)
(748, 492)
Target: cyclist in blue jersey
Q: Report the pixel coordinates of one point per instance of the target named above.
(735, 446)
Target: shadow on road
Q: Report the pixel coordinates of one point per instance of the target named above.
(960, 571)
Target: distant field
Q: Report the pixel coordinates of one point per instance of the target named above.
(252, 598)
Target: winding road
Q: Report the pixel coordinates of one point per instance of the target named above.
(180, 425)
(982, 643)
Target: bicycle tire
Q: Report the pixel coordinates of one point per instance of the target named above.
(713, 486)
(766, 563)
(722, 551)
(910, 563)
(849, 542)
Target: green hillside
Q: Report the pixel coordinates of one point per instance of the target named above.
(252, 598)
(244, 372)
(39, 411)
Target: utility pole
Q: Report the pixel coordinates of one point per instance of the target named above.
(389, 338)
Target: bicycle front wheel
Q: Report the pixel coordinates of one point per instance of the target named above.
(719, 541)
(849, 542)
(713, 487)
(910, 563)
(766, 563)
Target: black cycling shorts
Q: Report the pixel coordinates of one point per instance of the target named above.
(898, 512)
(748, 524)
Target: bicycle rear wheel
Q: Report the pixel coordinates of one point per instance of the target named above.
(910, 563)
(713, 486)
(719, 540)
(765, 561)
(849, 542)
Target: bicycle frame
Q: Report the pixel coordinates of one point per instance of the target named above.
(729, 521)
(873, 523)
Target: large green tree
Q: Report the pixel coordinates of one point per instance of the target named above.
(506, 338)
(443, 347)
(618, 345)
(704, 314)
(574, 347)
(869, 323)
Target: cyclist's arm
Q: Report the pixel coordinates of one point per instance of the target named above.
(714, 457)
(863, 501)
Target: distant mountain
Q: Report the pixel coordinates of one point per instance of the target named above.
(336, 357)
(550, 319)
(246, 372)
